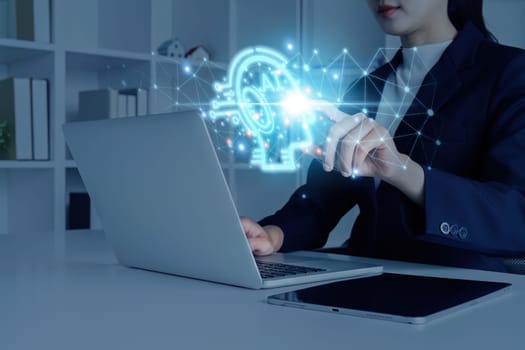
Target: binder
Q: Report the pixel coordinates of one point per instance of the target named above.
(33, 20)
(98, 104)
(40, 118)
(132, 105)
(141, 99)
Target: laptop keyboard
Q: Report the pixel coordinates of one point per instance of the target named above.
(272, 270)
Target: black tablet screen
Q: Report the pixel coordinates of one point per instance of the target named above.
(394, 294)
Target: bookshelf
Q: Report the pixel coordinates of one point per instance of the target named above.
(107, 43)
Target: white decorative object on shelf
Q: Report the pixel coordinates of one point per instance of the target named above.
(172, 48)
(197, 54)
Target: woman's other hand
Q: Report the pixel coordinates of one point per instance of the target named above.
(263, 240)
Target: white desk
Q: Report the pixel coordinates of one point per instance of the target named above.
(83, 299)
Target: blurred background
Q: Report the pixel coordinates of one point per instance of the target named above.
(87, 59)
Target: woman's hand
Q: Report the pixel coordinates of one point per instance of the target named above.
(357, 146)
(263, 240)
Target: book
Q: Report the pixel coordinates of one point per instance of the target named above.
(122, 106)
(142, 102)
(79, 211)
(40, 118)
(3, 203)
(15, 109)
(141, 99)
(131, 105)
(4, 19)
(8, 19)
(33, 20)
(98, 104)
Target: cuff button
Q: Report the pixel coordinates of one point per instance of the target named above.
(444, 228)
(463, 233)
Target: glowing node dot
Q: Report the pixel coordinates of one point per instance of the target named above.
(316, 52)
(407, 89)
(187, 69)
(345, 50)
(430, 113)
(290, 46)
(429, 168)
(365, 73)
(382, 139)
(355, 171)
(438, 142)
(365, 111)
(335, 76)
(397, 116)
(303, 196)
(419, 133)
(155, 86)
(242, 148)
(404, 167)
(306, 68)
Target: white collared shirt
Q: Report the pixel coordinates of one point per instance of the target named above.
(402, 86)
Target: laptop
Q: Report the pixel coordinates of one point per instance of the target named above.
(165, 205)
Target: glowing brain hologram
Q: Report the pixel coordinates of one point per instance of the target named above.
(261, 108)
(264, 98)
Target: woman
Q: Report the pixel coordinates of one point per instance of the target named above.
(443, 181)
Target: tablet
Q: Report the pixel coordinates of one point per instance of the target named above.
(395, 297)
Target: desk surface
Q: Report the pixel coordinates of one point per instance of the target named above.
(80, 298)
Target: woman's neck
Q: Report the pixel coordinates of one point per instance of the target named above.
(432, 33)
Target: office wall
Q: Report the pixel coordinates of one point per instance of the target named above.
(505, 20)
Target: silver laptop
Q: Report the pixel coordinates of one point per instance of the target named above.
(165, 206)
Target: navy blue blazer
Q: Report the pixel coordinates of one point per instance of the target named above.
(472, 149)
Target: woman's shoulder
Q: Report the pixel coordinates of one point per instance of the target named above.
(498, 54)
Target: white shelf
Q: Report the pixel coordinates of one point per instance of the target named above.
(25, 44)
(18, 50)
(99, 59)
(70, 164)
(169, 60)
(107, 53)
(29, 164)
